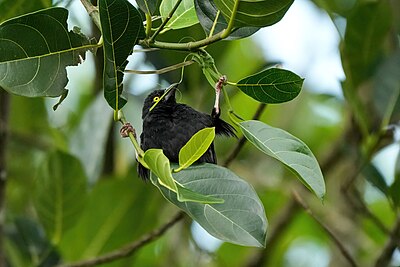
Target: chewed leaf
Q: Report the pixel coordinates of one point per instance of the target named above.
(240, 219)
(195, 147)
(35, 49)
(289, 150)
(122, 26)
(272, 86)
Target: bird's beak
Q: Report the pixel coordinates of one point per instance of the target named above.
(170, 92)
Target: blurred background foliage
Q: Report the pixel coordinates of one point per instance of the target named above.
(350, 124)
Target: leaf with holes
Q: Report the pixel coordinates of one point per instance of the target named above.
(195, 147)
(272, 86)
(240, 219)
(184, 16)
(122, 27)
(289, 150)
(35, 49)
(257, 13)
(60, 193)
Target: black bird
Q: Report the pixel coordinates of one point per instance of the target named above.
(169, 125)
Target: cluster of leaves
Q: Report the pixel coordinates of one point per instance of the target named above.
(40, 44)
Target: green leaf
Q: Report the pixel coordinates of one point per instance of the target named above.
(366, 31)
(159, 164)
(149, 6)
(257, 13)
(373, 175)
(289, 150)
(207, 12)
(184, 16)
(272, 86)
(239, 220)
(60, 194)
(187, 195)
(122, 27)
(195, 147)
(35, 49)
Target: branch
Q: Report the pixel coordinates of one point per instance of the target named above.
(391, 245)
(129, 249)
(163, 70)
(332, 235)
(93, 12)
(171, 13)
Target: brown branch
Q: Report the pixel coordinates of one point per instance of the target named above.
(4, 115)
(346, 254)
(243, 140)
(393, 242)
(129, 249)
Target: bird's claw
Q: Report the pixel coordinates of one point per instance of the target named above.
(126, 129)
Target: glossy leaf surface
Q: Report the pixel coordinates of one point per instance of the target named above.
(289, 150)
(272, 86)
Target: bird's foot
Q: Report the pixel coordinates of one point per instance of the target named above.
(126, 129)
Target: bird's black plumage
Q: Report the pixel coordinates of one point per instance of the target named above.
(169, 125)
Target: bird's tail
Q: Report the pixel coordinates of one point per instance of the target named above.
(143, 172)
(221, 126)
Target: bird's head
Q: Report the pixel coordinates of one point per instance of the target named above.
(159, 99)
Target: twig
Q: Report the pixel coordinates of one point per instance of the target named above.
(93, 12)
(4, 115)
(163, 70)
(171, 13)
(129, 249)
(332, 235)
(243, 140)
(393, 242)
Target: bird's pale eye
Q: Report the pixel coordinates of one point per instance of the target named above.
(156, 99)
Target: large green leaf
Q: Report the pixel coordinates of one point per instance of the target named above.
(257, 13)
(122, 26)
(184, 16)
(60, 194)
(35, 49)
(207, 13)
(239, 220)
(272, 85)
(289, 150)
(195, 147)
(366, 30)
